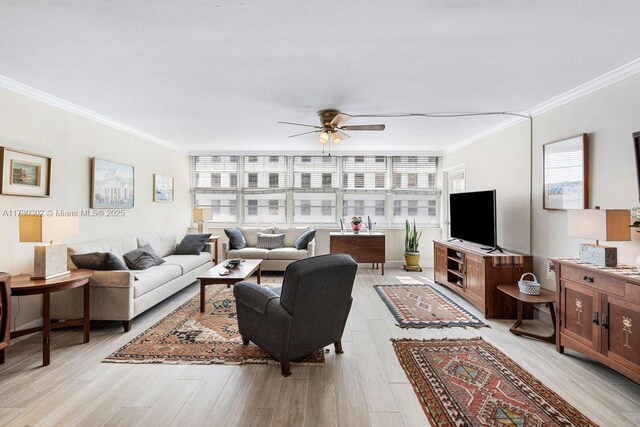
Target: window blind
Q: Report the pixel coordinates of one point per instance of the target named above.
(315, 172)
(365, 172)
(265, 172)
(413, 172)
(215, 172)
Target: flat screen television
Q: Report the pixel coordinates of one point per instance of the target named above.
(473, 217)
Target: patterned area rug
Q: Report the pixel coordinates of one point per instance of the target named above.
(187, 336)
(468, 382)
(422, 306)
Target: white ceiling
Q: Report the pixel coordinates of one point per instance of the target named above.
(219, 74)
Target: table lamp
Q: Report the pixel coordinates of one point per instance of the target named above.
(610, 225)
(200, 216)
(49, 260)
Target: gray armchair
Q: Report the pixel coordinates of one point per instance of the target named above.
(309, 312)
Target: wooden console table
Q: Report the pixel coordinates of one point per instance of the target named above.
(474, 274)
(363, 247)
(24, 285)
(599, 313)
(5, 313)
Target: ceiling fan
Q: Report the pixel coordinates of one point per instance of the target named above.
(332, 126)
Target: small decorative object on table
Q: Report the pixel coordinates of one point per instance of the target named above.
(529, 287)
(369, 225)
(356, 223)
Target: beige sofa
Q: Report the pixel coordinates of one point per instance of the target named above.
(274, 259)
(124, 294)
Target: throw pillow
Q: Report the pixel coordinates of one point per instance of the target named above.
(192, 244)
(142, 258)
(104, 261)
(270, 241)
(304, 240)
(236, 239)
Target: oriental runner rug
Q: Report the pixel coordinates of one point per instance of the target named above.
(187, 336)
(468, 382)
(422, 306)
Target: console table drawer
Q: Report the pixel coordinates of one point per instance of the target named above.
(596, 280)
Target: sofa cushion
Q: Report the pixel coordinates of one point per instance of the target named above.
(154, 277)
(288, 254)
(103, 261)
(188, 262)
(117, 246)
(248, 253)
(162, 242)
(270, 241)
(236, 238)
(291, 235)
(251, 234)
(304, 240)
(192, 244)
(142, 258)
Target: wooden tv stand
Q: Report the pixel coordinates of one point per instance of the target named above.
(474, 274)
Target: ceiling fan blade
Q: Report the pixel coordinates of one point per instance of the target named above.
(342, 134)
(300, 124)
(363, 127)
(304, 133)
(340, 119)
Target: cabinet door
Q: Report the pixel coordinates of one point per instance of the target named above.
(621, 331)
(474, 275)
(441, 260)
(580, 313)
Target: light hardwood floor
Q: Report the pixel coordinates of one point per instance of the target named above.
(364, 386)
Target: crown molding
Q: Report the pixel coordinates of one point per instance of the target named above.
(38, 95)
(587, 88)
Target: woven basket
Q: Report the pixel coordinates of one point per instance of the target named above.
(529, 287)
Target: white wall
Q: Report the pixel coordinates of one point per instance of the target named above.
(609, 116)
(501, 162)
(30, 125)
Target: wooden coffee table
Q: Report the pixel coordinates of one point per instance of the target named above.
(546, 297)
(212, 277)
(24, 285)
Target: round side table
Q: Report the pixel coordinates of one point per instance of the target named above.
(23, 285)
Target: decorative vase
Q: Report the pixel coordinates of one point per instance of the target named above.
(356, 227)
(412, 259)
(638, 263)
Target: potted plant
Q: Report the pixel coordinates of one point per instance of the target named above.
(356, 223)
(411, 242)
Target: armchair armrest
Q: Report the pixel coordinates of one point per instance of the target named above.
(225, 248)
(253, 295)
(311, 248)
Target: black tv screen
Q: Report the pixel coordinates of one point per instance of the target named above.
(473, 217)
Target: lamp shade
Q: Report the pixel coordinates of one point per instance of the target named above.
(37, 228)
(609, 225)
(202, 214)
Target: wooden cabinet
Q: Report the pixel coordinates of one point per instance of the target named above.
(364, 247)
(599, 314)
(5, 313)
(475, 275)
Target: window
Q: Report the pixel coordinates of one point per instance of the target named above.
(252, 209)
(379, 179)
(364, 172)
(274, 207)
(380, 159)
(412, 207)
(305, 159)
(252, 181)
(397, 180)
(422, 207)
(379, 208)
(274, 159)
(358, 180)
(305, 207)
(412, 180)
(252, 159)
(359, 159)
(215, 180)
(364, 205)
(327, 208)
(327, 180)
(273, 180)
(414, 172)
(233, 180)
(306, 180)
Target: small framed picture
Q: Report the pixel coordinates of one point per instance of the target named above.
(162, 188)
(565, 175)
(24, 174)
(111, 185)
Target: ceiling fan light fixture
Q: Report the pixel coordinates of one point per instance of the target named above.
(323, 138)
(335, 138)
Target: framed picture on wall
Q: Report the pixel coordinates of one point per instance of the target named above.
(565, 183)
(111, 185)
(24, 174)
(162, 188)
(636, 144)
